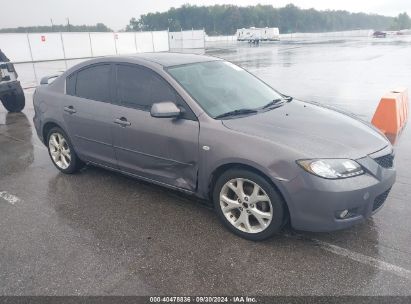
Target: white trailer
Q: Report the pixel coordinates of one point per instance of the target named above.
(254, 34)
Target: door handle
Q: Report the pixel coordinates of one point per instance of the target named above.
(70, 109)
(122, 122)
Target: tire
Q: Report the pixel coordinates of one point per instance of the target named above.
(263, 208)
(14, 101)
(62, 152)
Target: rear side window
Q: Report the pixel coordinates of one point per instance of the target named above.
(92, 83)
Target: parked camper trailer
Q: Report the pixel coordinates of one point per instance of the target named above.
(254, 34)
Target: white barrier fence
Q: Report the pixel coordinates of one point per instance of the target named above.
(60, 46)
(220, 38)
(211, 40)
(217, 41)
(194, 39)
(341, 34)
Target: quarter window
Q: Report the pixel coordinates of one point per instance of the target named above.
(71, 84)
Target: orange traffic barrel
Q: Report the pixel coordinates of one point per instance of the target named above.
(404, 104)
(404, 93)
(389, 116)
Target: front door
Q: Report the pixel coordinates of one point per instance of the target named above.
(160, 149)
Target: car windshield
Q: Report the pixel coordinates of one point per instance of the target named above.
(221, 87)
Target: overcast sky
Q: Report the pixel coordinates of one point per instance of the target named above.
(116, 14)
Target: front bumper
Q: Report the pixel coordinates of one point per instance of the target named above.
(314, 203)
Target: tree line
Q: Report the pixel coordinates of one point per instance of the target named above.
(226, 19)
(99, 27)
(403, 21)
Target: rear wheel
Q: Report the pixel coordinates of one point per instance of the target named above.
(14, 101)
(248, 204)
(62, 153)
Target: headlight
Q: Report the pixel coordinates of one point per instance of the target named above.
(332, 168)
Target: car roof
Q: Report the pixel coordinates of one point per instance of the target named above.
(165, 59)
(168, 59)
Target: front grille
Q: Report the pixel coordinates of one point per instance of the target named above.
(386, 161)
(380, 199)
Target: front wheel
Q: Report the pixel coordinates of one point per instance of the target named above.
(14, 101)
(248, 204)
(62, 153)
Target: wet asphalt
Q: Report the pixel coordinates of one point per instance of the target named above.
(101, 233)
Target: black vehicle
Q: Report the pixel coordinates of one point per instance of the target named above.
(379, 34)
(11, 92)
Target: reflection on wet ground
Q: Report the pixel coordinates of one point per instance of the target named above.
(100, 233)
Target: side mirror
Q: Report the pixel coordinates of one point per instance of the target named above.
(166, 109)
(46, 79)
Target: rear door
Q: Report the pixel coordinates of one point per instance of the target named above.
(160, 149)
(88, 113)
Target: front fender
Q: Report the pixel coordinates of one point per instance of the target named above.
(220, 146)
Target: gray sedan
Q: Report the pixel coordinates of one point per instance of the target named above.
(209, 128)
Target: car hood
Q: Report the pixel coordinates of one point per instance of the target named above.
(312, 131)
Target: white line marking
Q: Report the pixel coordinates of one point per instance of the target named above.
(10, 198)
(355, 256)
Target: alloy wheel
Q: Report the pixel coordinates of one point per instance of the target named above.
(59, 150)
(246, 205)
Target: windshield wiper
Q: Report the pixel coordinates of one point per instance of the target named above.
(237, 112)
(274, 102)
(277, 102)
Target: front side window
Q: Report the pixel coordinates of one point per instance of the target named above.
(133, 86)
(139, 88)
(92, 83)
(220, 87)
